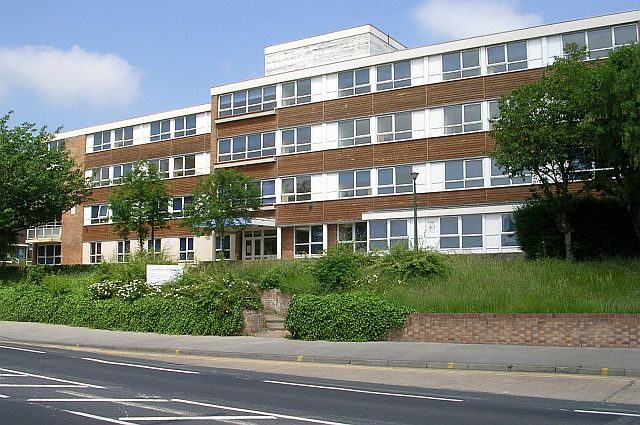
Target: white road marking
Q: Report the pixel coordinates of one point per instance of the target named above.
(99, 400)
(194, 418)
(4, 396)
(13, 375)
(100, 418)
(22, 349)
(235, 409)
(351, 390)
(141, 366)
(43, 386)
(83, 385)
(600, 412)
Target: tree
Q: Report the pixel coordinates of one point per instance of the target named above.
(542, 130)
(140, 204)
(38, 183)
(227, 199)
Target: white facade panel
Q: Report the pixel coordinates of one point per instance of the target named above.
(554, 48)
(331, 182)
(331, 86)
(435, 69)
(316, 89)
(203, 163)
(317, 187)
(436, 122)
(417, 71)
(418, 124)
(534, 53)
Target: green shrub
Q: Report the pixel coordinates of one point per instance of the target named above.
(271, 278)
(337, 269)
(402, 263)
(135, 269)
(342, 317)
(34, 275)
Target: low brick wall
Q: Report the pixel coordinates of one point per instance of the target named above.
(564, 330)
(254, 321)
(274, 300)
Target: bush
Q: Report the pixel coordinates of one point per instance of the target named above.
(271, 278)
(35, 275)
(342, 317)
(135, 269)
(338, 269)
(401, 262)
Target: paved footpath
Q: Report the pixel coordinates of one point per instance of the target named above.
(585, 360)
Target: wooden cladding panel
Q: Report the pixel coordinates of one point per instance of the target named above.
(184, 185)
(458, 197)
(407, 152)
(104, 232)
(304, 163)
(124, 155)
(98, 159)
(399, 100)
(458, 91)
(302, 213)
(348, 158)
(508, 193)
(259, 171)
(499, 84)
(348, 107)
(100, 195)
(198, 143)
(247, 126)
(457, 146)
(155, 150)
(347, 209)
(300, 115)
(391, 202)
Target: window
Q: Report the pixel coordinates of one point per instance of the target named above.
(223, 250)
(101, 141)
(508, 234)
(55, 144)
(123, 252)
(394, 127)
(395, 180)
(384, 233)
(95, 252)
(186, 252)
(245, 147)
(601, 41)
(123, 137)
(252, 100)
(160, 130)
(352, 132)
(184, 166)
(155, 246)
(463, 174)
(184, 126)
(470, 237)
(461, 64)
(353, 235)
(178, 203)
(507, 57)
(296, 188)
(309, 240)
(354, 183)
(260, 244)
(501, 177)
(353, 82)
(296, 140)
(101, 177)
(119, 171)
(462, 118)
(48, 254)
(296, 92)
(161, 166)
(268, 191)
(99, 214)
(393, 75)
(494, 112)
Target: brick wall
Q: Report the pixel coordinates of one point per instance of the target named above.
(253, 321)
(564, 330)
(274, 300)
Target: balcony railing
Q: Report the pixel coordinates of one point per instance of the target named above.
(45, 233)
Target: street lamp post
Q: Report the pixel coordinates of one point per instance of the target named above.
(414, 176)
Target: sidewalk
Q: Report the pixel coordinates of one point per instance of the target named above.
(593, 361)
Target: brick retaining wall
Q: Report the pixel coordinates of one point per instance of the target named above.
(564, 330)
(276, 301)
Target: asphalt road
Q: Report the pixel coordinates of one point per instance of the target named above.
(51, 386)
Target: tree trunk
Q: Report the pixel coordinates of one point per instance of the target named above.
(568, 233)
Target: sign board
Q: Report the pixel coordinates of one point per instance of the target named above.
(158, 274)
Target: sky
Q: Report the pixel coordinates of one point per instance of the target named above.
(77, 63)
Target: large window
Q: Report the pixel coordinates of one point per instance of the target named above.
(101, 177)
(462, 118)
(260, 244)
(160, 130)
(55, 144)
(508, 233)
(268, 191)
(384, 233)
(246, 147)
(354, 183)
(123, 252)
(161, 166)
(393, 75)
(395, 179)
(353, 82)
(507, 57)
(243, 101)
(49, 254)
(461, 232)
(354, 132)
(184, 126)
(99, 214)
(461, 174)
(501, 177)
(95, 252)
(155, 246)
(119, 171)
(394, 127)
(296, 92)
(601, 41)
(296, 140)
(308, 240)
(178, 203)
(123, 137)
(184, 166)
(101, 140)
(461, 64)
(223, 248)
(296, 188)
(353, 235)
(186, 251)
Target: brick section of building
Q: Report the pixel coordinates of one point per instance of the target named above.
(73, 220)
(563, 330)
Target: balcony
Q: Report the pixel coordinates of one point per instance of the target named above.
(50, 232)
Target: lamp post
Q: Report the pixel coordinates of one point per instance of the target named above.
(414, 176)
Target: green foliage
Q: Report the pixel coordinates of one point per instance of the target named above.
(337, 269)
(343, 317)
(270, 279)
(135, 269)
(34, 275)
(38, 183)
(402, 262)
(140, 204)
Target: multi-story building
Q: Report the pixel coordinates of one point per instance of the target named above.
(334, 133)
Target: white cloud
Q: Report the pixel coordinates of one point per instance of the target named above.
(467, 18)
(69, 77)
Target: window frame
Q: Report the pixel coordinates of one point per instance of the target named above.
(163, 131)
(267, 101)
(507, 65)
(295, 146)
(187, 125)
(355, 190)
(355, 139)
(267, 147)
(464, 125)
(311, 244)
(184, 201)
(466, 181)
(459, 73)
(296, 98)
(101, 215)
(123, 251)
(298, 196)
(104, 138)
(48, 258)
(389, 238)
(123, 170)
(356, 240)
(122, 138)
(157, 242)
(186, 249)
(508, 234)
(355, 88)
(269, 199)
(395, 186)
(460, 236)
(98, 177)
(394, 82)
(394, 135)
(183, 171)
(164, 174)
(95, 252)
(505, 178)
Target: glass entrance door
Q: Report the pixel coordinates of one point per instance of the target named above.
(260, 244)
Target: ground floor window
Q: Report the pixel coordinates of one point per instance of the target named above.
(95, 252)
(309, 240)
(260, 244)
(384, 233)
(154, 246)
(223, 249)
(508, 234)
(353, 235)
(123, 252)
(461, 232)
(48, 254)
(186, 252)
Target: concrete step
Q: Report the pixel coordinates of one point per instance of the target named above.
(274, 322)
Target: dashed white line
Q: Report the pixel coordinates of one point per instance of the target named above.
(22, 349)
(43, 386)
(80, 384)
(99, 400)
(194, 418)
(100, 418)
(163, 369)
(352, 390)
(4, 396)
(602, 412)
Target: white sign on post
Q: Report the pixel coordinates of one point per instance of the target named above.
(158, 274)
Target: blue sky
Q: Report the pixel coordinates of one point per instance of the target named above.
(76, 63)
